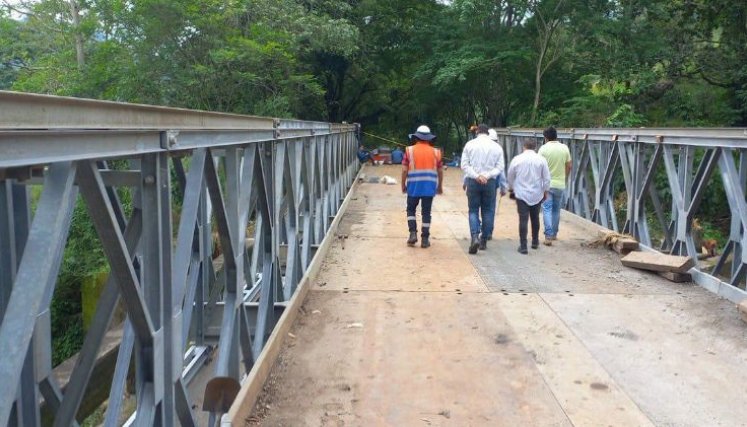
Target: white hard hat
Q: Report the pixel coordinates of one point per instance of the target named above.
(423, 133)
(493, 134)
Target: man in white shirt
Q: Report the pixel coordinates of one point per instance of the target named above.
(482, 162)
(529, 177)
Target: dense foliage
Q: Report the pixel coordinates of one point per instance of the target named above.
(387, 64)
(391, 64)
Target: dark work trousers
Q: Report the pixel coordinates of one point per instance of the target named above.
(527, 213)
(412, 205)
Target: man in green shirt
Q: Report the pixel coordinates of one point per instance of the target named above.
(558, 158)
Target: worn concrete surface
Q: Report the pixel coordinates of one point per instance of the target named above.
(391, 335)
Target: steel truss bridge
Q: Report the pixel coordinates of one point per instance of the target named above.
(692, 159)
(265, 193)
(268, 187)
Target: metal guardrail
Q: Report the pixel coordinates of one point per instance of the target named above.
(611, 162)
(285, 177)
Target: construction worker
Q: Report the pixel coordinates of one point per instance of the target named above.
(422, 179)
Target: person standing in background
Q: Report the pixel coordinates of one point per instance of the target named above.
(397, 156)
(364, 156)
(558, 158)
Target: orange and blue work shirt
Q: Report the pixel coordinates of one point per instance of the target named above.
(422, 162)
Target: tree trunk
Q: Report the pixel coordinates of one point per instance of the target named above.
(545, 31)
(537, 85)
(75, 16)
(509, 16)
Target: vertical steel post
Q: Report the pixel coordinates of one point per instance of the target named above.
(206, 265)
(37, 270)
(739, 231)
(151, 360)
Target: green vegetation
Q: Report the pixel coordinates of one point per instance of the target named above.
(392, 64)
(387, 64)
(83, 258)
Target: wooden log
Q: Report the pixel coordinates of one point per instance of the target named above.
(620, 243)
(604, 233)
(627, 243)
(742, 308)
(624, 246)
(655, 261)
(676, 277)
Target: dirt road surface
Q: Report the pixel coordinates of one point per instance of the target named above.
(397, 336)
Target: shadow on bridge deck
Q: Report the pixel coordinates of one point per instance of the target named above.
(391, 335)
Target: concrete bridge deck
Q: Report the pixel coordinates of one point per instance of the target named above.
(392, 335)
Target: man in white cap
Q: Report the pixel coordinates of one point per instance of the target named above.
(422, 179)
(482, 163)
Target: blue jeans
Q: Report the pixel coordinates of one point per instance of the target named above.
(551, 211)
(481, 203)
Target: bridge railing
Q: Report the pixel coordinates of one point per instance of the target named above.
(651, 183)
(261, 191)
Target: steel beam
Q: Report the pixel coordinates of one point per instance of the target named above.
(31, 111)
(699, 137)
(102, 318)
(27, 148)
(287, 176)
(102, 215)
(36, 272)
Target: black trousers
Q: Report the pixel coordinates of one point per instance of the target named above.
(412, 205)
(526, 213)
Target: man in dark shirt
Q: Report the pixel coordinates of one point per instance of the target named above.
(397, 156)
(364, 155)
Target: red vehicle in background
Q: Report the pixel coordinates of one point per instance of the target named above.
(382, 155)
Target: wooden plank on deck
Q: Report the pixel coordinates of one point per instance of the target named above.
(655, 261)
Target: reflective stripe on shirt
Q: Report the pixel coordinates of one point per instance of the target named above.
(422, 162)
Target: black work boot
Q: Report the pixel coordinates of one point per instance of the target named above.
(535, 244)
(523, 247)
(425, 241)
(483, 243)
(474, 244)
(413, 238)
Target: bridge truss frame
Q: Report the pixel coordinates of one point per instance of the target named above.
(632, 158)
(286, 177)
